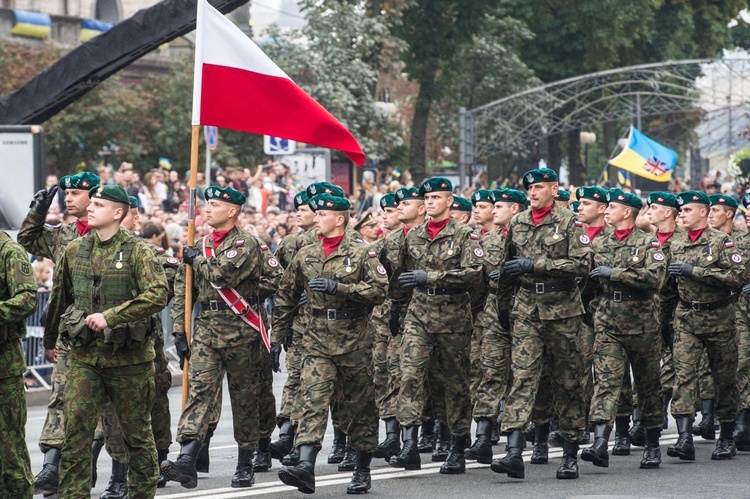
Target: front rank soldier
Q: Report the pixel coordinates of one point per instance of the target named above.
(343, 280)
(742, 429)
(708, 268)
(18, 300)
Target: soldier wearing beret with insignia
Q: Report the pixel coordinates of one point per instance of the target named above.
(707, 269)
(50, 242)
(111, 351)
(562, 198)
(228, 265)
(343, 280)
(461, 209)
(629, 267)
(546, 250)
(441, 260)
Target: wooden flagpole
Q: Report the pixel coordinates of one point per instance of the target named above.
(192, 183)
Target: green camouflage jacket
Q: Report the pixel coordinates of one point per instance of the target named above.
(587, 286)
(493, 244)
(47, 242)
(666, 298)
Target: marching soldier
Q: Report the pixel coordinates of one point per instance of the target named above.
(742, 429)
(562, 198)
(461, 209)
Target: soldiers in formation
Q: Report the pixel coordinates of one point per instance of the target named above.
(516, 324)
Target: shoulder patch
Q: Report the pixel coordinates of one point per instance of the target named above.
(157, 267)
(273, 262)
(474, 236)
(729, 244)
(655, 244)
(658, 257)
(264, 247)
(736, 258)
(372, 254)
(478, 252)
(25, 268)
(584, 239)
(173, 261)
(578, 223)
(160, 250)
(239, 242)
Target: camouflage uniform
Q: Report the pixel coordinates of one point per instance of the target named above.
(381, 335)
(18, 300)
(742, 242)
(479, 293)
(121, 279)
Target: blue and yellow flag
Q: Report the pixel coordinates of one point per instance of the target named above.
(646, 158)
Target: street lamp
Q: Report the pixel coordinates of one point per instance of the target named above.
(587, 138)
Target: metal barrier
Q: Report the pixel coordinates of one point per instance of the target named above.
(33, 346)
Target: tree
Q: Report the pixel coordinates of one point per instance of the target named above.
(20, 62)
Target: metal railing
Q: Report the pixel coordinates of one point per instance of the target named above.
(33, 346)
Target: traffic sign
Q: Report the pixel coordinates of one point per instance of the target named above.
(278, 145)
(211, 134)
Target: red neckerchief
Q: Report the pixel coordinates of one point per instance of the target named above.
(594, 231)
(663, 237)
(484, 231)
(82, 226)
(219, 235)
(331, 244)
(539, 215)
(621, 234)
(505, 232)
(406, 230)
(695, 234)
(434, 228)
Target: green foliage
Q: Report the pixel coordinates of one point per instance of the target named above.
(20, 62)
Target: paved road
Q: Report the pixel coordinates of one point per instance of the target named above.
(675, 479)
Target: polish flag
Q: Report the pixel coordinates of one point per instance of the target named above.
(237, 86)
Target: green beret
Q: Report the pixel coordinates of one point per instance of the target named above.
(133, 201)
(481, 195)
(539, 175)
(388, 201)
(746, 200)
(325, 188)
(84, 180)
(662, 198)
(227, 194)
(562, 195)
(626, 198)
(509, 196)
(574, 206)
(688, 197)
(594, 193)
(329, 202)
(113, 193)
(300, 199)
(408, 193)
(722, 200)
(435, 184)
(461, 204)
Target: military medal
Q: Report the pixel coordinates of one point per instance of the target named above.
(348, 262)
(556, 235)
(118, 265)
(709, 257)
(635, 254)
(450, 248)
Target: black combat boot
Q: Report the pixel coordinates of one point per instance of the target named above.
(96, 449)
(361, 482)
(49, 478)
(481, 451)
(203, 460)
(742, 431)
(455, 463)
(302, 475)
(349, 463)
(529, 433)
(683, 448)
(512, 463)
(162, 481)
(637, 433)
(652, 452)
(622, 438)
(408, 458)
(244, 475)
(262, 455)
(597, 454)
(705, 428)
(339, 446)
(285, 443)
(183, 468)
(392, 443)
(725, 448)
(665, 398)
(292, 458)
(427, 437)
(118, 482)
(569, 466)
(540, 454)
(442, 441)
(556, 436)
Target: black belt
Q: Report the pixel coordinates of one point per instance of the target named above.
(549, 287)
(332, 314)
(707, 305)
(618, 296)
(438, 291)
(216, 305)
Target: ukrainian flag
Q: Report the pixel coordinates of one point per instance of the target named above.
(33, 24)
(90, 28)
(646, 158)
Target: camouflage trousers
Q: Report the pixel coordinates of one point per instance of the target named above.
(666, 373)
(706, 389)
(53, 432)
(588, 339)
(475, 360)
(266, 398)
(495, 369)
(386, 356)
(557, 343)
(293, 360)
(16, 480)
(721, 346)
(380, 374)
(241, 363)
(441, 360)
(131, 390)
(743, 343)
(346, 380)
(614, 353)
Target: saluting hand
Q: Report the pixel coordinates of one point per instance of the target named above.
(43, 199)
(680, 269)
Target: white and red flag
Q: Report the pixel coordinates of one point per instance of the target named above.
(237, 86)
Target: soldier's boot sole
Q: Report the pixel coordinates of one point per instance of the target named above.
(513, 468)
(176, 474)
(291, 477)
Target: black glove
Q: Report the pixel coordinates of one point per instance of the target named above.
(275, 357)
(495, 275)
(746, 289)
(394, 323)
(189, 253)
(43, 199)
(289, 339)
(413, 278)
(519, 266)
(302, 299)
(667, 333)
(503, 316)
(324, 285)
(180, 344)
(680, 269)
(601, 273)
